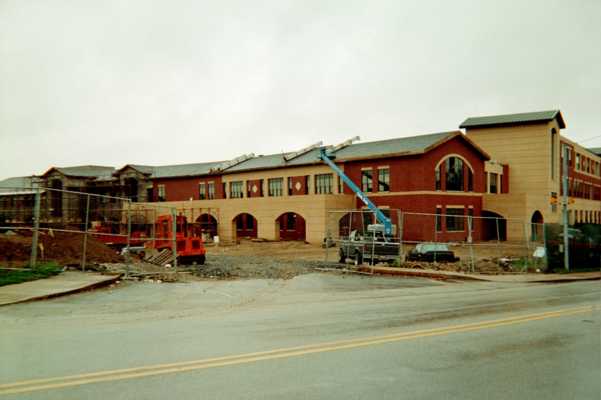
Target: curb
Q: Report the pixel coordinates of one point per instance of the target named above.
(423, 274)
(90, 286)
(568, 280)
(434, 275)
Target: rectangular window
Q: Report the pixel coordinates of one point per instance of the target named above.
(202, 191)
(211, 190)
(438, 219)
(577, 162)
(236, 190)
(383, 179)
(275, 186)
(162, 196)
(290, 189)
(553, 155)
(366, 180)
(455, 220)
(470, 180)
(492, 182)
(323, 184)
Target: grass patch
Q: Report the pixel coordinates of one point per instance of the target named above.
(44, 270)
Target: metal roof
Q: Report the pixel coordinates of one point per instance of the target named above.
(276, 161)
(18, 185)
(383, 148)
(85, 171)
(514, 119)
(173, 171)
(595, 150)
(405, 145)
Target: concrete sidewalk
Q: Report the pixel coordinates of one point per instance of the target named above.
(62, 284)
(517, 277)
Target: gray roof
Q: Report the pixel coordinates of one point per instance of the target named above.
(514, 119)
(595, 150)
(276, 161)
(18, 184)
(172, 171)
(400, 146)
(145, 169)
(86, 171)
(405, 145)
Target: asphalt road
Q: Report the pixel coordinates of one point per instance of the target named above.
(314, 336)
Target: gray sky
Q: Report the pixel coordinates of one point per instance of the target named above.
(116, 82)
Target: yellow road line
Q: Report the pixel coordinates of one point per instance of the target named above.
(161, 369)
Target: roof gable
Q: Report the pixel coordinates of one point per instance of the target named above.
(514, 119)
(83, 171)
(402, 146)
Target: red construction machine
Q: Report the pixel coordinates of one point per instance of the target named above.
(189, 246)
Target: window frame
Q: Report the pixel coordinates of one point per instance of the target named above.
(161, 193)
(274, 190)
(387, 180)
(236, 189)
(324, 183)
(449, 216)
(367, 180)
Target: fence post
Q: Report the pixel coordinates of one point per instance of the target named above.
(85, 234)
(499, 237)
(400, 216)
(174, 238)
(470, 240)
(128, 256)
(527, 246)
(545, 245)
(36, 229)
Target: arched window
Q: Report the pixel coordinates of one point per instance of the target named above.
(454, 178)
(454, 174)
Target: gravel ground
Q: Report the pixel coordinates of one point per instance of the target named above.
(219, 267)
(229, 266)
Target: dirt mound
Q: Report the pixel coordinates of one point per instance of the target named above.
(64, 248)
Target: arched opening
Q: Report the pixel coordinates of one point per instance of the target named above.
(56, 198)
(130, 189)
(537, 226)
(245, 226)
(206, 224)
(291, 226)
(494, 226)
(454, 174)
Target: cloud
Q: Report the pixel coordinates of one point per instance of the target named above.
(184, 81)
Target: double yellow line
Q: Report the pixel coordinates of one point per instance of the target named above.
(161, 369)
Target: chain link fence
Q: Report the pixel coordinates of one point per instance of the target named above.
(66, 226)
(456, 241)
(41, 224)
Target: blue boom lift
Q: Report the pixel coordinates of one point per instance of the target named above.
(382, 219)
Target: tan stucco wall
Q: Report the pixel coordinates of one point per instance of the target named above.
(313, 208)
(527, 151)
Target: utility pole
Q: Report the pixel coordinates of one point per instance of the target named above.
(36, 227)
(566, 239)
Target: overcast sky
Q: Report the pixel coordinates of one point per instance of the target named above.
(169, 82)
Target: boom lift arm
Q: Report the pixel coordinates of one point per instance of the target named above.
(383, 219)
